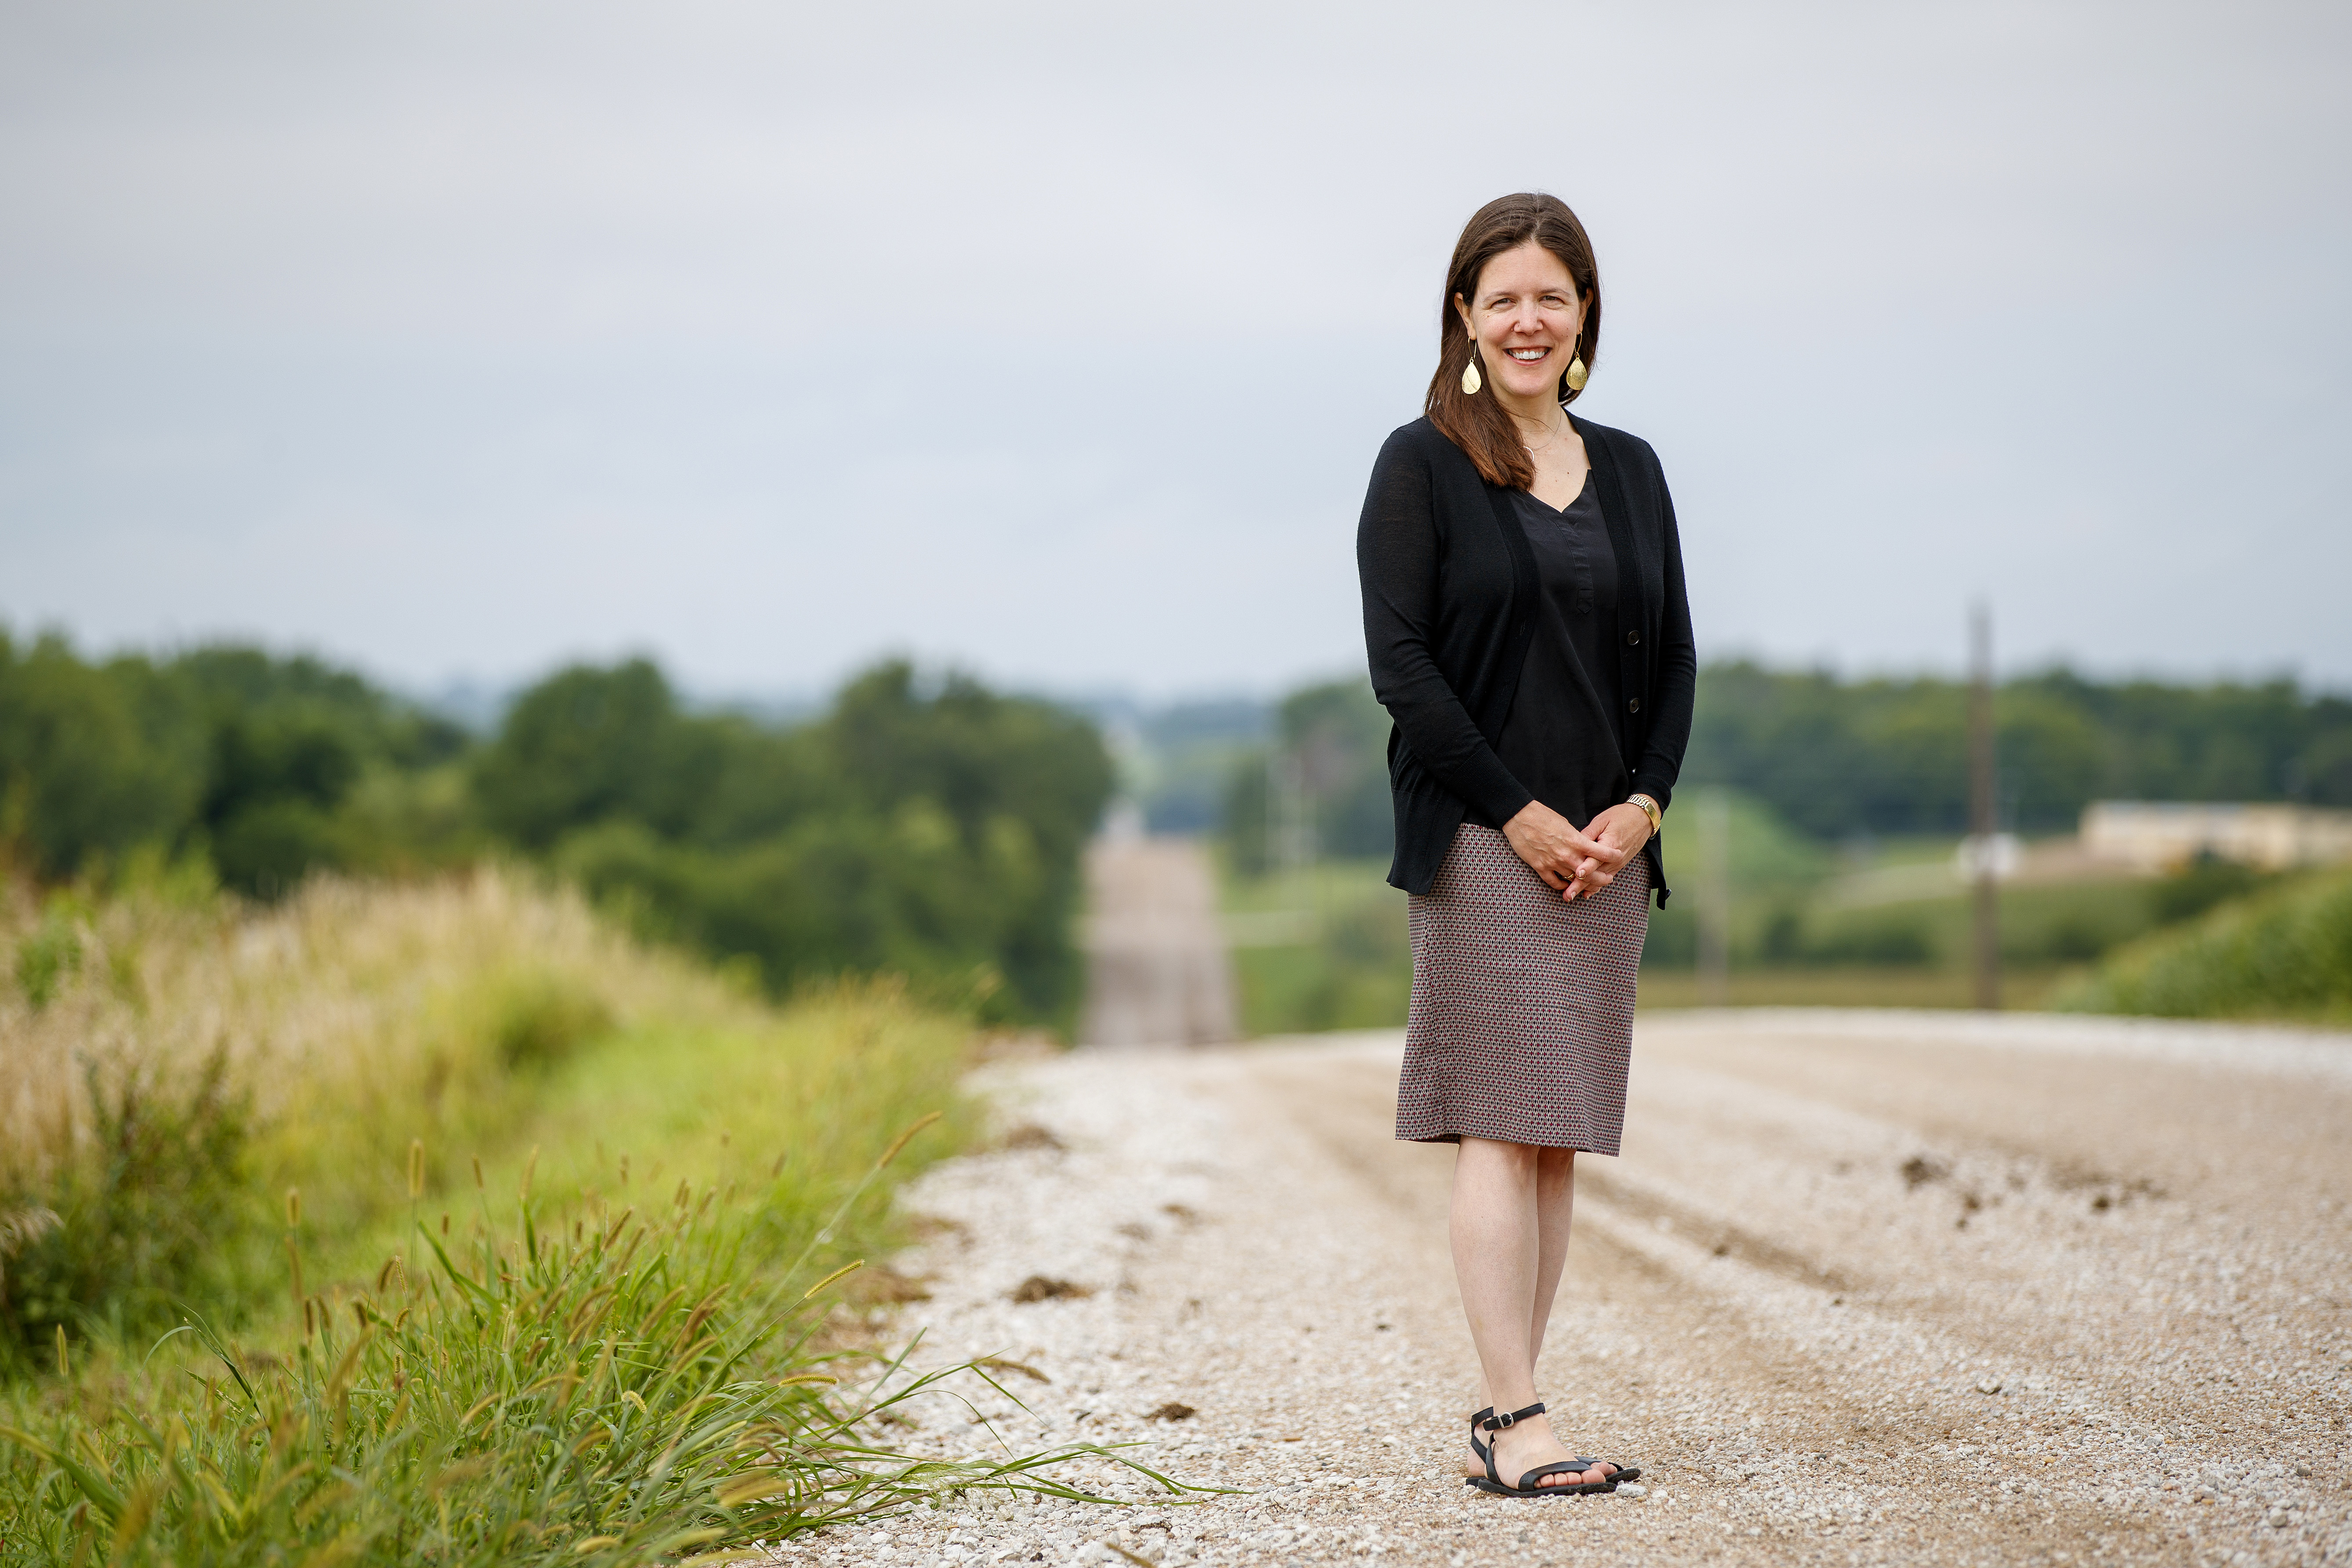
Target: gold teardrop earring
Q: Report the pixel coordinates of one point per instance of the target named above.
(1577, 374)
(1471, 381)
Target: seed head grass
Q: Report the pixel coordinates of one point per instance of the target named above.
(355, 1016)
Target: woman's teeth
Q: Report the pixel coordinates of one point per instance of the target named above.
(1528, 356)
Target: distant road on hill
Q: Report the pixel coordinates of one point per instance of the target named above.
(1157, 970)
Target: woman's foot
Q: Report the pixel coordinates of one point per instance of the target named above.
(1529, 1444)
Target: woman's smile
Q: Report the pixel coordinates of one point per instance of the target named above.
(1524, 311)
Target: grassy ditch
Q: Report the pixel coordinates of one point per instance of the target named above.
(442, 1223)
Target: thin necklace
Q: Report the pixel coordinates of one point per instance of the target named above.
(1552, 437)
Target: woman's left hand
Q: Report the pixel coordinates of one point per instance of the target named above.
(1622, 829)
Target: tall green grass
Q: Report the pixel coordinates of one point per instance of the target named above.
(493, 1237)
(2286, 953)
(622, 1388)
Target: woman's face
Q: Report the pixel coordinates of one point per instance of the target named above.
(1526, 316)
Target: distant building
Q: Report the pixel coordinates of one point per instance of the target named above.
(2159, 835)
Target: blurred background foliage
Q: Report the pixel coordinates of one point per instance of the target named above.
(1834, 759)
(1882, 756)
(2285, 953)
(932, 828)
(1845, 800)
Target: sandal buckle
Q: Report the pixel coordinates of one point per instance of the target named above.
(1499, 1422)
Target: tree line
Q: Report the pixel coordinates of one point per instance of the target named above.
(927, 827)
(1890, 756)
(1835, 757)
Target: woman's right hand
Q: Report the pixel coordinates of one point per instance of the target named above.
(1554, 849)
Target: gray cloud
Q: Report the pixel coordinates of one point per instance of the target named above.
(1057, 340)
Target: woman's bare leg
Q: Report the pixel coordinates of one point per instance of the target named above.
(1555, 1202)
(1510, 1225)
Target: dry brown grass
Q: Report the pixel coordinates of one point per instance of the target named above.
(354, 1012)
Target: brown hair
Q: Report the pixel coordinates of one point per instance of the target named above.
(1481, 427)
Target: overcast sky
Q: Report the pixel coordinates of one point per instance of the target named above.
(455, 339)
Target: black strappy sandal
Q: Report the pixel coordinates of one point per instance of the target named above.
(1488, 1421)
(1477, 1448)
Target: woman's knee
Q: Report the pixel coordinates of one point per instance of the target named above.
(1520, 1160)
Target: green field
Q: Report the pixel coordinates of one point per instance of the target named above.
(1882, 924)
(1321, 948)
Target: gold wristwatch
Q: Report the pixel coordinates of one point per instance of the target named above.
(1650, 808)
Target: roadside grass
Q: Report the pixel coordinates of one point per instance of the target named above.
(629, 1387)
(535, 1237)
(2283, 953)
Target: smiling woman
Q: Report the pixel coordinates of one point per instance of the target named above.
(1530, 292)
(1526, 628)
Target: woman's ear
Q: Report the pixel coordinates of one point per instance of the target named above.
(1462, 309)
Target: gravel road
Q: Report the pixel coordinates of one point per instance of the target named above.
(1864, 1288)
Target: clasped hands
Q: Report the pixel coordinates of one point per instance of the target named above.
(1576, 864)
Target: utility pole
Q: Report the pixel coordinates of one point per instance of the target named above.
(1983, 818)
(1715, 899)
(1290, 831)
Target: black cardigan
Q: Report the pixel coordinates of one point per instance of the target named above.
(1450, 606)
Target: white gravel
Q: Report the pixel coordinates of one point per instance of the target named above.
(2000, 1293)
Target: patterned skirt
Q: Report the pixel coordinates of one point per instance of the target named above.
(1521, 1027)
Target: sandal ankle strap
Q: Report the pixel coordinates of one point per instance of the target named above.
(1497, 1423)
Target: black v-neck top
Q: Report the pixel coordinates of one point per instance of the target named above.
(1451, 598)
(1559, 739)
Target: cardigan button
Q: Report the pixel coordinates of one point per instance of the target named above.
(1633, 705)
(1633, 640)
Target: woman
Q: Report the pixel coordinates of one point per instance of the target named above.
(1527, 630)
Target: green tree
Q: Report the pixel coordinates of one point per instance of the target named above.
(94, 761)
(1891, 755)
(932, 831)
(589, 745)
(1331, 744)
